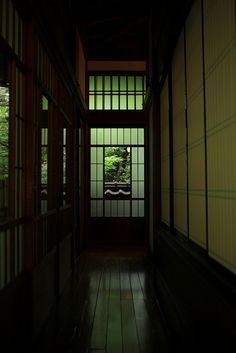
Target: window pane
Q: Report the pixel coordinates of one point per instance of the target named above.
(99, 208)
(131, 83)
(91, 83)
(93, 154)
(134, 136)
(141, 154)
(120, 136)
(107, 133)
(99, 102)
(91, 102)
(100, 136)
(141, 172)
(123, 86)
(134, 208)
(131, 102)
(93, 134)
(141, 136)
(100, 172)
(93, 189)
(115, 83)
(127, 136)
(115, 102)
(141, 209)
(107, 208)
(135, 189)
(107, 83)
(99, 189)
(139, 102)
(123, 102)
(100, 155)
(114, 208)
(4, 151)
(99, 80)
(93, 172)
(127, 208)
(141, 189)
(107, 102)
(134, 172)
(139, 83)
(114, 136)
(134, 155)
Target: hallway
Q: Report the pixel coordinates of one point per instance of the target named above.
(110, 307)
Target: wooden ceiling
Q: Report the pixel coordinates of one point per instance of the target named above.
(115, 30)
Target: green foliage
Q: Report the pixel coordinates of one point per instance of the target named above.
(4, 132)
(117, 164)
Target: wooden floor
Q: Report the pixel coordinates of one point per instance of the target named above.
(110, 307)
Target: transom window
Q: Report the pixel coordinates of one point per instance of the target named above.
(117, 92)
(117, 163)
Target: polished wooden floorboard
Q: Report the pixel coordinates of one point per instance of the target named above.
(109, 307)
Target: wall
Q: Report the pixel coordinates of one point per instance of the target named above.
(204, 108)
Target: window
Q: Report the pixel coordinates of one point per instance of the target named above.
(117, 187)
(44, 156)
(4, 149)
(117, 92)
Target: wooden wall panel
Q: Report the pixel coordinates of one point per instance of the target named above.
(165, 154)
(220, 59)
(196, 131)
(179, 137)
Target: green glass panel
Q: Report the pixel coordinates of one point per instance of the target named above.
(93, 134)
(115, 102)
(93, 175)
(131, 102)
(99, 102)
(44, 103)
(134, 155)
(139, 83)
(141, 155)
(134, 189)
(114, 136)
(99, 83)
(127, 208)
(141, 209)
(131, 83)
(107, 208)
(139, 102)
(127, 136)
(107, 102)
(123, 84)
(134, 208)
(114, 210)
(120, 136)
(134, 136)
(121, 208)
(99, 189)
(44, 165)
(44, 136)
(107, 136)
(91, 83)
(91, 102)
(141, 190)
(64, 136)
(100, 155)
(93, 155)
(100, 136)
(141, 136)
(115, 84)
(134, 172)
(99, 208)
(100, 172)
(93, 189)
(141, 172)
(107, 83)
(123, 102)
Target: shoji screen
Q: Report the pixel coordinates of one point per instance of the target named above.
(220, 67)
(165, 156)
(179, 137)
(196, 131)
